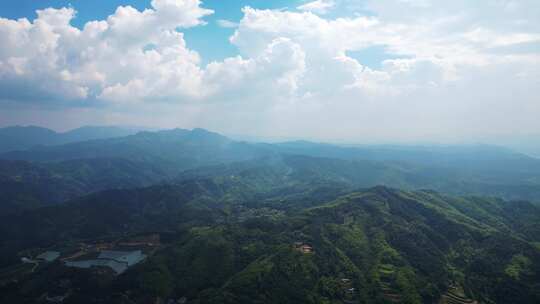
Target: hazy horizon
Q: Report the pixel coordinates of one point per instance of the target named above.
(529, 145)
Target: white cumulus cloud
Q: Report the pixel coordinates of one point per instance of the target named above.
(318, 6)
(130, 50)
(457, 68)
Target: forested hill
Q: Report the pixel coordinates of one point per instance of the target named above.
(26, 185)
(229, 247)
(246, 222)
(459, 170)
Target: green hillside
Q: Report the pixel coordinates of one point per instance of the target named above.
(377, 245)
(258, 223)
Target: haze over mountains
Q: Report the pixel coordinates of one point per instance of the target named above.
(383, 222)
(82, 165)
(19, 138)
(23, 137)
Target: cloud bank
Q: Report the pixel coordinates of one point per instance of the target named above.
(318, 6)
(458, 70)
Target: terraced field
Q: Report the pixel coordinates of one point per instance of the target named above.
(387, 283)
(456, 295)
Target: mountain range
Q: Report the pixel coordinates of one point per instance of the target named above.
(293, 222)
(24, 137)
(146, 158)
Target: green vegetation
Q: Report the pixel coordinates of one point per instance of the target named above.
(519, 265)
(375, 246)
(246, 223)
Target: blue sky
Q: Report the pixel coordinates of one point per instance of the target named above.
(211, 40)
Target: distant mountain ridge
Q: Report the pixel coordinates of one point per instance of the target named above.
(25, 137)
(461, 170)
(175, 150)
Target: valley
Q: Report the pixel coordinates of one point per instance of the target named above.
(249, 223)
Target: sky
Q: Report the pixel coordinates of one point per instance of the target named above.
(356, 71)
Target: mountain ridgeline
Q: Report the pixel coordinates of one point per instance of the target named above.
(294, 222)
(147, 158)
(20, 138)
